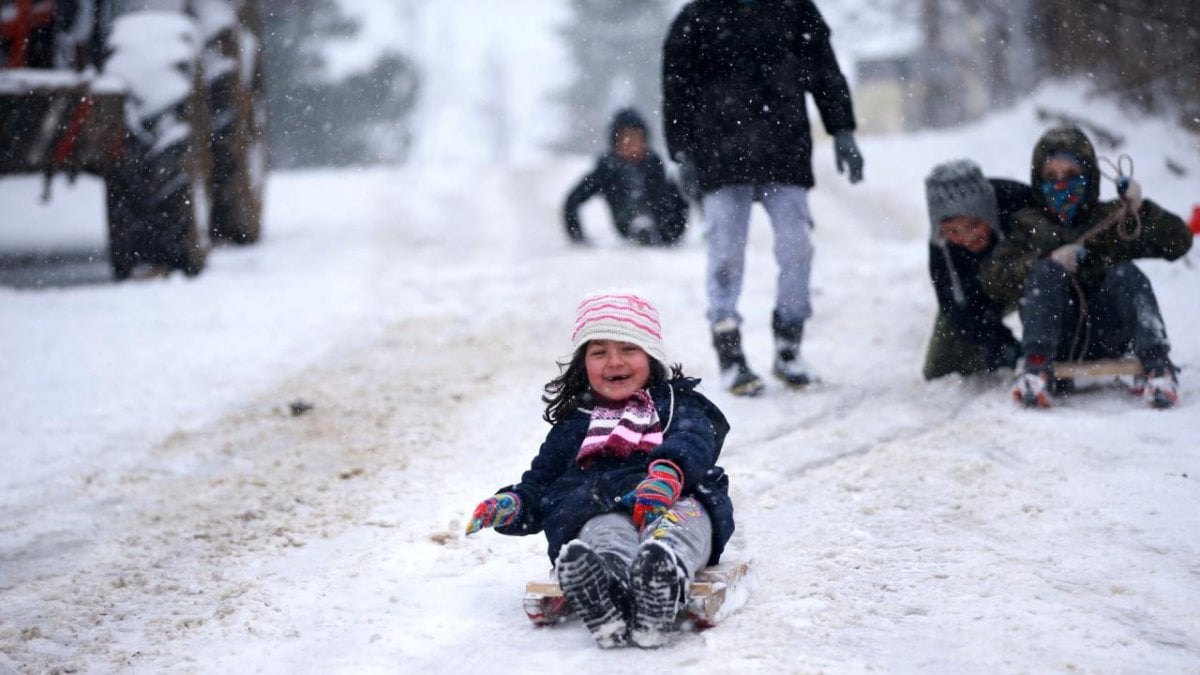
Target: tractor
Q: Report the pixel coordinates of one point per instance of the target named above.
(162, 99)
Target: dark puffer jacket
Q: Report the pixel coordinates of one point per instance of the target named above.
(735, 75)
(977, 317)
(558, 497)
(1035, 232)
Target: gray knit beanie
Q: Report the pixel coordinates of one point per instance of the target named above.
(958, 188)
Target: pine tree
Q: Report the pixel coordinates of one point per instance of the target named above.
(361, 119)
(616, 50)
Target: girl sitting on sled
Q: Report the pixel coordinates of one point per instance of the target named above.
(626, 485)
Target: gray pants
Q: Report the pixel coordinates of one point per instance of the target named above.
(688, 535)
(727, 220)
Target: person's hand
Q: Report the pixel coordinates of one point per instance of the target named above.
(689, 180)
(846, 152)
(1130, 192)
(1069, 256)
(495, 511)
(656, 493)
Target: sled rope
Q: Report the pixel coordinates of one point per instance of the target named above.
(1121, 218)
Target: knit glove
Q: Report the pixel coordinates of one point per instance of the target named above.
(656, 493)
(846, 152)
(495, 511)
(1130, 192)
(1069, 256)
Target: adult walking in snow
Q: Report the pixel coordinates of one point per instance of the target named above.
(1068, 261)
(968, 216)
(646, 206)
(626, 485)
(735, 76)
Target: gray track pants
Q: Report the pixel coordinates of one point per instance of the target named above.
(727, 220)
(689, 535)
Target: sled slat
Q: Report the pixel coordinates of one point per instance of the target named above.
(546, 588)
(1069, 370)
(545, 604)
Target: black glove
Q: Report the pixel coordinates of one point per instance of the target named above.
(689, 182)
(845, 150)
(574, 228)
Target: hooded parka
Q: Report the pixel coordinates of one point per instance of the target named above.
(1035, 232)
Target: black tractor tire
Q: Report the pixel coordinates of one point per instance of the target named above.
(238, 136)
(157, 198)
(125, 224)
(237, 156)
(154, 206)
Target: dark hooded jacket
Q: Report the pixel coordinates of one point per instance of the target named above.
(976, 316)
(629, 188)
(558, 497)
(1036, 232)
(735, 76)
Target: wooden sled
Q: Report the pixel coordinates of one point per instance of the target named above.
(1072, 370)
(712, 589)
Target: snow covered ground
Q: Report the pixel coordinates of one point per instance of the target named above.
(161, 509)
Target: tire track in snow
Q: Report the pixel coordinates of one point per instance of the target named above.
(180, 539)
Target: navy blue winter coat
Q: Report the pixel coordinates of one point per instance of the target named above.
(558, 497)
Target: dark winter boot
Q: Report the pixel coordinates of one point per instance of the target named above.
(736, 376)
(1033, 387)
(789, 367)
(659, 582)
(598, 591)
(1158, 384)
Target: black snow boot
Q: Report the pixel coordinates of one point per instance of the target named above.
(598, 590)
(660, 585)
(736, 376)
(789, 366)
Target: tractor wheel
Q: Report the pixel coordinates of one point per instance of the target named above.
(125, 224)
(237, 104)
(158, 202)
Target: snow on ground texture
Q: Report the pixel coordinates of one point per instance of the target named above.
(162, 510)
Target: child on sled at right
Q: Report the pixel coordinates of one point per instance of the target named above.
(1068, 264)
(626, 485)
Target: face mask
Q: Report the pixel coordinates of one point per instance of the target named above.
(1064, 197)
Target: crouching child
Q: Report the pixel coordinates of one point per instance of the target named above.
(646, 206)
(969, 215)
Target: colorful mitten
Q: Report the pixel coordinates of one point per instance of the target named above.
(496, 511)
(656, 493)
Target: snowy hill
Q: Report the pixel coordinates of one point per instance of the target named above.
(162, 509)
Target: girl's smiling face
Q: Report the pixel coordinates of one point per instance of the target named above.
(616, 369)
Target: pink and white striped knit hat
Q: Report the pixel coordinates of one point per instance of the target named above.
(619, 315)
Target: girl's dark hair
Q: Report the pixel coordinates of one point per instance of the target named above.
(571, 389)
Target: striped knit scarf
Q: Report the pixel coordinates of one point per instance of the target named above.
(619, 430)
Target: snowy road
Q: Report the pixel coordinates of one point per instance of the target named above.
(893, 525)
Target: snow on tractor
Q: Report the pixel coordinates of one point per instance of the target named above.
(163, 99)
